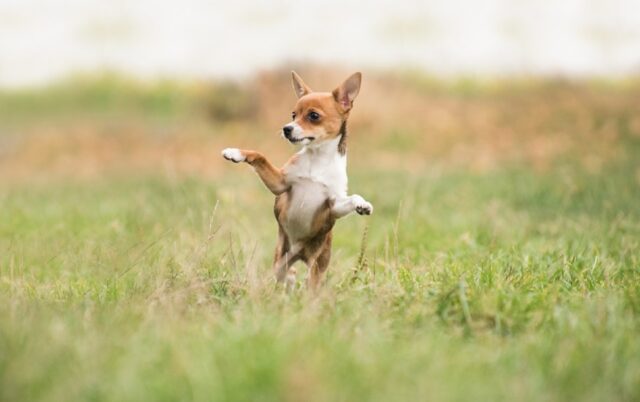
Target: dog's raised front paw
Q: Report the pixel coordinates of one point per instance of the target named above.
(233, 155)
(363, 207)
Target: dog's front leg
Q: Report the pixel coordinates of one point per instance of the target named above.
(271, 176)
(345, 205)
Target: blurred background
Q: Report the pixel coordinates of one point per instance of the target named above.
(153, 90)
(90, 87)
(45, 40)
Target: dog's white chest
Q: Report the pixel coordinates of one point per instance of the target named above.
(315, 177)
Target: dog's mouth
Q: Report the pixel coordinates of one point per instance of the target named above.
(294, 140)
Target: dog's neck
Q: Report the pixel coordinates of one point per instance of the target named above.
(323, 152)
(325, 163)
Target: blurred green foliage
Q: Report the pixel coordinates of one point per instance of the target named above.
(111, 94)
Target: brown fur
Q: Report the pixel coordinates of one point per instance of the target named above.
(342, 145)
(271, 176)
(331, 115)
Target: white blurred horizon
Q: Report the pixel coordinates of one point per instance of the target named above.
(45, 40)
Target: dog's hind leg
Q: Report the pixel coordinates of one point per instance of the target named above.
(283, 268)
(285, 257)
(319, 263)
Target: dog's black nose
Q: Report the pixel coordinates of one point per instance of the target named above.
(287, 130)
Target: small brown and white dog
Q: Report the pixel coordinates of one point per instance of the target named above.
(311, 188)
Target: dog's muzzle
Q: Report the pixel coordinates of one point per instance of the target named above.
(288, 132)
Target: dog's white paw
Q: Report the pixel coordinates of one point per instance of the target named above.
(233, 155)
(362, 206)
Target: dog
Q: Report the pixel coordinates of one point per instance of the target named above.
(311, 188)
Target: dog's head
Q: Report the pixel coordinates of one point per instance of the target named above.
(318, 116)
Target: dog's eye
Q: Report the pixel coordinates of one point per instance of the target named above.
(313, 116)
(293, 115)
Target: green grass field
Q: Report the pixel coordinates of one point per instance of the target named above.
(511, 283)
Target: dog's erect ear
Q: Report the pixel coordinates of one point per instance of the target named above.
(299, 86)
(347, 92)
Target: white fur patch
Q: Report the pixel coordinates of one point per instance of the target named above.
(319, 173)
(321, 163)
(297, 130)
(233, 154)
(362, 206)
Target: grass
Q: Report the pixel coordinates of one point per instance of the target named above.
(510, 283)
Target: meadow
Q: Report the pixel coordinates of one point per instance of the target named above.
(502, 262)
